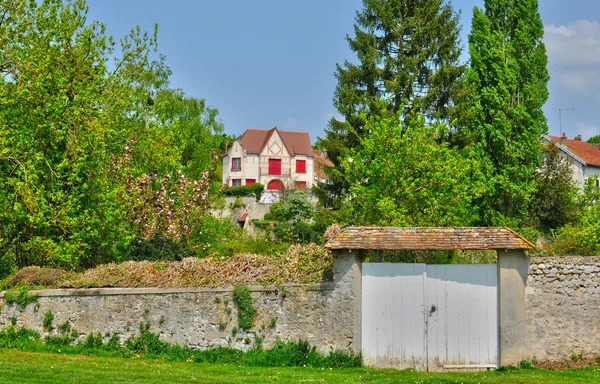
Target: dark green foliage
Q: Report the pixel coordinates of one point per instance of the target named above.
(507, 88)
(299, 354)
(20, 297)
(65, 327)
(408, 56)
(246, 310)
(524, 364)
(245, 190)
(156, 249)
(48, 320)
(553, 204)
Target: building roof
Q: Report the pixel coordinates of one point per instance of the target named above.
(585, 151)
(429, 238)
(321, 161)
(297, 143)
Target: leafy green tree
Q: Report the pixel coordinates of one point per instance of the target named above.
(195, 128)
(406, 176)
(507, 81)
(72, 108)
(583, 237)
(553, 205)
(594, 139)
(408, 62)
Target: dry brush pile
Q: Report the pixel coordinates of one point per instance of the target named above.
(300, 264)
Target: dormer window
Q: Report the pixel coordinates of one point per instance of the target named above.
(236, 164)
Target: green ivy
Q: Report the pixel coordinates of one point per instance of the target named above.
(21, 297)
(246, 310)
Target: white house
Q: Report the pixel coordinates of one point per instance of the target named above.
(275, 158)
(584, 158)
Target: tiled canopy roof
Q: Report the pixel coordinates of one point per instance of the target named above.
(428, 238)
(253, 140)
(585, 151)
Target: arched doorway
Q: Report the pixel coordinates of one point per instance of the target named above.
(275, 185)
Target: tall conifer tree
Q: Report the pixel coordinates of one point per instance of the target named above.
(507, 81)
(408, 54)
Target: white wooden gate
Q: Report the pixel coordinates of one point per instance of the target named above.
(429, 317)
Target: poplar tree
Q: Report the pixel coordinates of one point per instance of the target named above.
(408, 62)
(507, 82)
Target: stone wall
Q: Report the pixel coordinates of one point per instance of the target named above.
(325, 314)
(563, 307)
(199, 318)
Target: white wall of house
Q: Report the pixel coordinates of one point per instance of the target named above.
(249, 165)
(591, 170)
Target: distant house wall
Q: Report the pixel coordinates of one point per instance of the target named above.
(591, 170)
(580, 171)
(249, 165)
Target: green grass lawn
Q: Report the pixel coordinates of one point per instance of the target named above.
(28, 367)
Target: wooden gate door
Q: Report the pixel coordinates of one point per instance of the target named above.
(429, 317)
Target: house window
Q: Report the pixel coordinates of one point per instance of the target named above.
(236, 182)
(598, 183)
(250, 181)
(236, 164)
(301, 184)
(300, 166)
(274, 166)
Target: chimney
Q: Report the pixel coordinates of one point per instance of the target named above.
(563, 139)
(578, 137)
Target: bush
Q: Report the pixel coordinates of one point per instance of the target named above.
(246, 310)
(147, 344)
(156, 249)
(21, 297)
(256, 189)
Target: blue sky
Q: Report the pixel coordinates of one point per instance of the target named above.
(266, 63)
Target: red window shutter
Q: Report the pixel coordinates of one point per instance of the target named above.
(301, 184)
(300, 166)
(274, 166)
(250, 181)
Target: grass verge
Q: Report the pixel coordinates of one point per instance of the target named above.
(36, 368)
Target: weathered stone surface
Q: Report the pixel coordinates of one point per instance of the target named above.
(563, 307)
(200, 318)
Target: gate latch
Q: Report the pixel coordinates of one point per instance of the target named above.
(433, 309)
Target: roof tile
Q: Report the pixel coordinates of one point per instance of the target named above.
(429, 238)
(253, 140)
(585, 151)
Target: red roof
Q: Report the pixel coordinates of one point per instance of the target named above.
(585, 151)
(321, 161)
(254, 140)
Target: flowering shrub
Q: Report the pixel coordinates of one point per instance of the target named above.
(164, 209)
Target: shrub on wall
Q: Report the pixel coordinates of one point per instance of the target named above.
(245, 190)
(246, 310)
